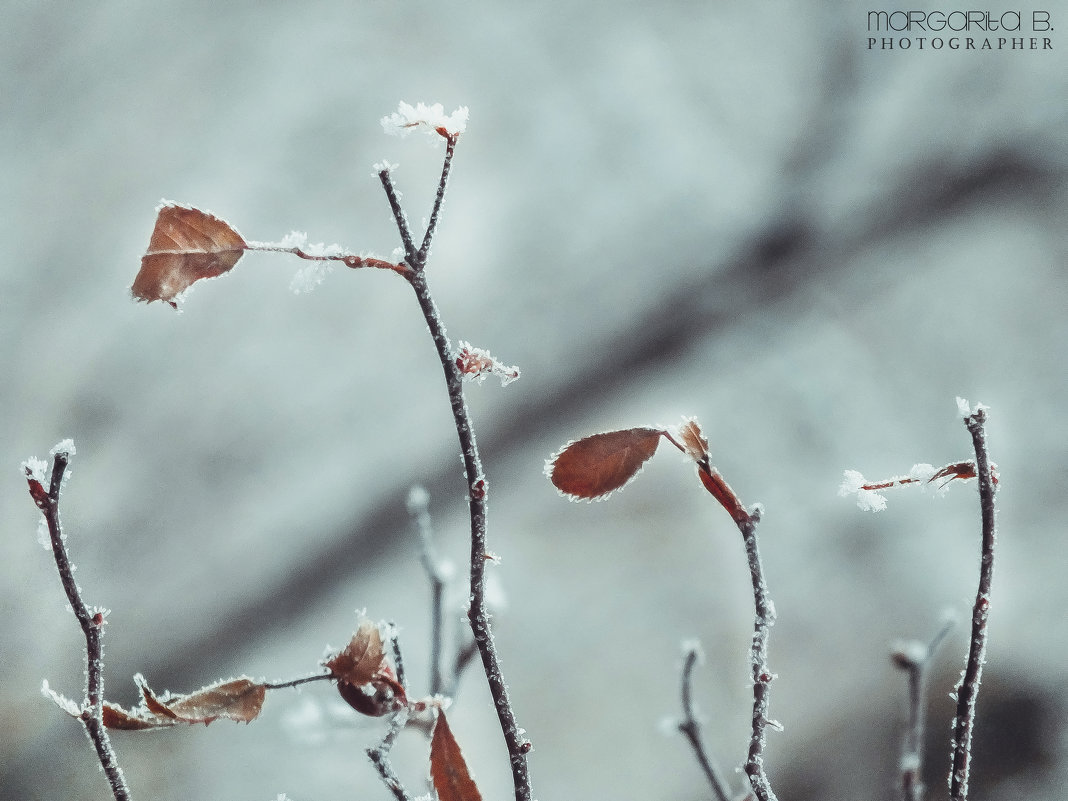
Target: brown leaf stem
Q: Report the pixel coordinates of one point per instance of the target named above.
(351, 260)
(92, 624)
(968, 688)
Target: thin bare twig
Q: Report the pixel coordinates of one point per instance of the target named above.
(398, 215)
(477, 491)
(968, 688)
(691, 727)
(91, 622)
(914, 658)
(398, 660)
(379, 756)
(418, 508)
(762, 676)
(281, 685)
(439, 197)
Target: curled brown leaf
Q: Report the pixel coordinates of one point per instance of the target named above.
(693, 441)
(361, 660)
(593, 467)
(187, 244)
(239, 699)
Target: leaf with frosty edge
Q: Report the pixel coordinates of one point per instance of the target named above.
(694, 441)
(187, 244)
(362, 658)
(595, 466)
(452, 780)
(239, 699)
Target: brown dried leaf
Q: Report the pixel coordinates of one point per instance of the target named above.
(237, 699)
(379, 697)
(187, 244)
(595, 466)
(115, 717)
(693, 440)
(362, 658)
(452, 781)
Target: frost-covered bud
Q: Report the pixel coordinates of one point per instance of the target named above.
(475, 364)
(431, 119)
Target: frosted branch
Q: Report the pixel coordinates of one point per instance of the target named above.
(762, 675)
(913, 658)
(691, 727)
(518, 746)
(91, 621)
(968, 688)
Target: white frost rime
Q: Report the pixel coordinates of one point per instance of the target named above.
(430, 119)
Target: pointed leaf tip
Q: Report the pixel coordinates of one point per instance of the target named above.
(360, 661)
(452, 780)
(593, 467)
(187, 244)
(694, 441)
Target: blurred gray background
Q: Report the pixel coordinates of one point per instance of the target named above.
(706, 209)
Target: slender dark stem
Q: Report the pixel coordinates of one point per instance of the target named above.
(92, 624)
(398, 658)
(281, 685)
(691, 728)
(518, 746)
(909, 658)
(418, 508)
(399, 216)
(477, 491)
(379, 756)
(424, 249)
(968, 688)
(762, 676)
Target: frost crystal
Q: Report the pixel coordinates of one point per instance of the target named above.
(294, 239)
(34, 468)
(870, 501)
(64, 703)
(852, 481)
(383, 166)
(65, 446)
(963, 409)
(922, 472)
(310, 276)
(431, 119)
(867, 500)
